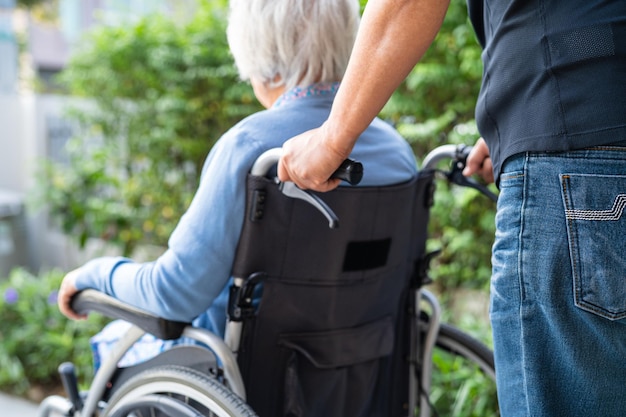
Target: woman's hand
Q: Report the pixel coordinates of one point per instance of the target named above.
(479, 162)
(66, 292)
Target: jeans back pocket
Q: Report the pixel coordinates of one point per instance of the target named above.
(595, 211)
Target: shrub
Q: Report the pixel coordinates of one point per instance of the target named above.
(435, 106)
(158, 94)
(35, 338)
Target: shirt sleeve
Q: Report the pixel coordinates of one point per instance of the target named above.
(183, 282)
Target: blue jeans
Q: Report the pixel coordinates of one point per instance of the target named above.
(558, 292)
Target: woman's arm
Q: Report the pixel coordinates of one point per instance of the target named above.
(393, 36)
(191, 273)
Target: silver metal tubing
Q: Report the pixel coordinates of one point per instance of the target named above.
(413, 385)
(224, 355)
(232, 333)
(104, 374)
(55, 404)
(439, 154)
(266, 161)
(269, 158)
(430, 339)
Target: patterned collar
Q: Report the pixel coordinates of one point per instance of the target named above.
(319, 89)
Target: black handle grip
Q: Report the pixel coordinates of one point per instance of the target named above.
(350, 171)
(67, 373)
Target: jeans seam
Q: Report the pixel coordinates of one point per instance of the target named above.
(520, 277)
(520, 240)
(575, 285)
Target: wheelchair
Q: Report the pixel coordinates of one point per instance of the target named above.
(337, 331)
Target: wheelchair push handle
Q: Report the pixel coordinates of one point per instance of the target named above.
(457, 154)
(350, 171)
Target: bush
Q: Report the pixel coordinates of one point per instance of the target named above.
(438, 97)
(158, 95)
(435, 106)
(163, 92)
(35, 338)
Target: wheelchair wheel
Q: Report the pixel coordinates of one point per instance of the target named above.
(463, 380)
(175, 391)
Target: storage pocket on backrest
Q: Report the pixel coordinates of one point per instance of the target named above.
(334, 373)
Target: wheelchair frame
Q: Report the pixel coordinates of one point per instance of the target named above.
(429, 331)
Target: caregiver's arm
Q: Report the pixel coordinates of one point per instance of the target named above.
(393, 36)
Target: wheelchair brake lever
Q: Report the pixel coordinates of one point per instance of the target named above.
(290, 189)
(456, 176)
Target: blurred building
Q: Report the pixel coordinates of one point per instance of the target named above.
(50, 44)
(8, 48)
(34, 46)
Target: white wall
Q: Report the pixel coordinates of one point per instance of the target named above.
(33, 128)
(12, 141)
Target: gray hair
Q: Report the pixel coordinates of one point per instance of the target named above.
(292, 42)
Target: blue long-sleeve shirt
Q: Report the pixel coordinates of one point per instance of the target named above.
(189, 281)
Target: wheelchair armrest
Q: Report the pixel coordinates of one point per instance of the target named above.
(91, 300)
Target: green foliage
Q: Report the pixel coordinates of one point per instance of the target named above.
(441, 91)
(29, 3)
(462, 226)
(159, 94)
(460, 389)
(35, 338)
(434, 106)
(41, 10)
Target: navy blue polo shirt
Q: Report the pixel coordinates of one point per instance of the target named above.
(554, 75)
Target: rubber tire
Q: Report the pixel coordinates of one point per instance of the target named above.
(475, 355)
(460, 343)
(215, 398)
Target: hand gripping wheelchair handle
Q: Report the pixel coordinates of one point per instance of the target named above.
(91, 300)
(350, 171)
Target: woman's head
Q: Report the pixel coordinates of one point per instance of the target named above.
(292, 42)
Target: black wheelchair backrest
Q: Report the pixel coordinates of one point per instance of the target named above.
(330, 334)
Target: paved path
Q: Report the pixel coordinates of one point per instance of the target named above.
(16, 407)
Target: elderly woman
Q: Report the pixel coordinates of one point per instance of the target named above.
(293, 52)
